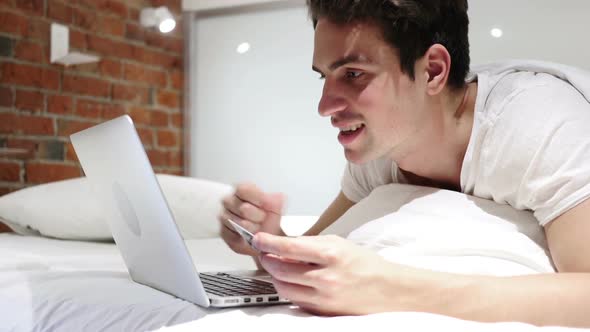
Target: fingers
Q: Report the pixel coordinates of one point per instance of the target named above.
(288, 271)
(249, 192)
(236, 243)
(272, 202)
(231, 237)
(225, 215)
(252, 209)
(320, 250)
(243, 209)
(295, 293)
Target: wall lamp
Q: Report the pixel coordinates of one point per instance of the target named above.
(160, 17)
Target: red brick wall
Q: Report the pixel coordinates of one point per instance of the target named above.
(41, 104)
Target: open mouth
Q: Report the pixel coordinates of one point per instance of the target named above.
(348, 135)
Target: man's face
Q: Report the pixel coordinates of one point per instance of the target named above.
(378, 109)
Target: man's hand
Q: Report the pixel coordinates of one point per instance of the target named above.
(331, 276)
(254, 210)
(327, 274)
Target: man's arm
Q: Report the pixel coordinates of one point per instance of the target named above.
(336, 209)
(351, 280)
(550, 299)
(567, 237)
(547, 299)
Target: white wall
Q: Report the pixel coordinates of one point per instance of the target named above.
(539, 29)
(195, 5)
(254, 115)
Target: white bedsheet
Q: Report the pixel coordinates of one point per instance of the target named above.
(285, 318)
(54, 285)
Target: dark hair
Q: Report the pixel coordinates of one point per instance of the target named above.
(410, 26)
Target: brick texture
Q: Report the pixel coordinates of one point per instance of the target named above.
(6, 99)
(9, 171)
(140, 73)
(30, 100)
(43, 172)
(5, 46)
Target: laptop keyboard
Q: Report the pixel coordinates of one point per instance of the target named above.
(223, 284)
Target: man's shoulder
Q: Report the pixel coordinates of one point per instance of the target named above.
(524, 84)
(537, 66)
(360, 179)
(512, 78)
(526, 90)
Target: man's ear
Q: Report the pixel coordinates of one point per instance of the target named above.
(437, 67)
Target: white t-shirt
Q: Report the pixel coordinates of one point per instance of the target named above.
(529, 147)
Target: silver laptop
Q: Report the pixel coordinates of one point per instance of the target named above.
(143, 227)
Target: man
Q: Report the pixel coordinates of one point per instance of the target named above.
(395, 86)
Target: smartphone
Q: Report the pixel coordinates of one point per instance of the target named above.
(244, 233)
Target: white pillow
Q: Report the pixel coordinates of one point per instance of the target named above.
(439, 228)
(67, 209)
(294, 225)
(195, 204)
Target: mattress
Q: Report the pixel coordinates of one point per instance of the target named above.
(57, 285)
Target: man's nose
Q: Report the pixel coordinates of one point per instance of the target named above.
(331, 103)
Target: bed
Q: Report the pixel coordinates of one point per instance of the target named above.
(81, 284)
(61, 285)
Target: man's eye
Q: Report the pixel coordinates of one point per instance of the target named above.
(322, 76)
(353, 74)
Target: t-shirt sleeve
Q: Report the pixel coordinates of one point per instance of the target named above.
(359, 180)
(541, 150)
